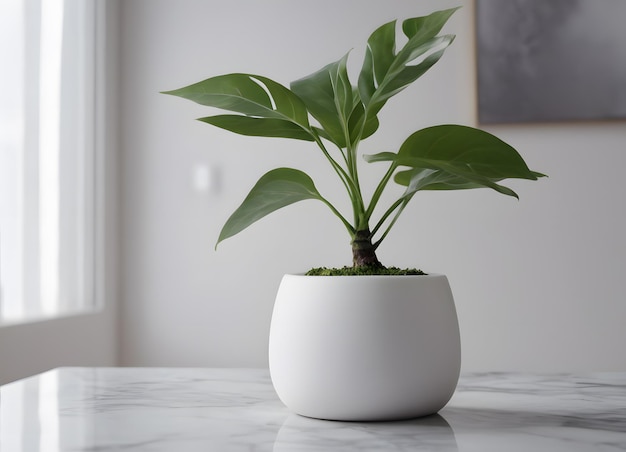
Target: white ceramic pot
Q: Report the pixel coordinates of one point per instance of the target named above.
(364, 348)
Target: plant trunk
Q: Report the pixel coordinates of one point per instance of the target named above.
(363, 252)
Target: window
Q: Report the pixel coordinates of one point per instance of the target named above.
(47, 171)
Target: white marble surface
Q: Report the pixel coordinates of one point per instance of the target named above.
(143, 409)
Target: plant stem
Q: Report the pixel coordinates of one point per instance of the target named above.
(389, 211)
(345, 222)
(401, 205)
(363, 251)
(379, 190)
(345, 178)
(353, 189)
(360, 218)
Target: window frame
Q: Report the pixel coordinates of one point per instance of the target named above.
(83, 338)
(55, 210)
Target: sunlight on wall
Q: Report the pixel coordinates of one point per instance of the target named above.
(46, 158)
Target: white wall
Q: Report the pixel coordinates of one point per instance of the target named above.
(538, 283)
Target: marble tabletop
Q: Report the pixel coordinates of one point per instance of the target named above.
(222, 410)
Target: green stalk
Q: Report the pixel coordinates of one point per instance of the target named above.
(358, 204)
(353, 190)
(379, 190)
(345, 178)
(345, 222)
(393, 221)
(356, 197)
(403, 203)
(386, 215)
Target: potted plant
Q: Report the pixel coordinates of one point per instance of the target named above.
(373, 345)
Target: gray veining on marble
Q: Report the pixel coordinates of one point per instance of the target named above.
(144, 409)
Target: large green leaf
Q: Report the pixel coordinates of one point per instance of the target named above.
(427, 26)
(360, 126)
(328, 96)
(402, 76)
(251, 95)
(453, 179)
(453, 157)
(475, 150)
(343, 90)
(379, 55)
(274, 190)
(431, 179)
(385, 73)
(259, 127)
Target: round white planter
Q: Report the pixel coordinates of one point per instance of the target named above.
(364, 348)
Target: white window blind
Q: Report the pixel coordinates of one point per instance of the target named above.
(47, 58)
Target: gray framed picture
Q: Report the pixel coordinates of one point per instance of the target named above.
(550, 60)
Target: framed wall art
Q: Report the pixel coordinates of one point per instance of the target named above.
(550, 60)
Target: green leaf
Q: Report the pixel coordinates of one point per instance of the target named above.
(453, 157)
(430, 179)
(401, 77)
(385, 73)
(274, 190)
(379, 55)
(251, 95)
(427, 26)
(328, 96)
(360, 126)
(259, 127)
(457, 179)
(473, 150)
(381, 157)
(343, 90)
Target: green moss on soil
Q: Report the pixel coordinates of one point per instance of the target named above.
(362, 271)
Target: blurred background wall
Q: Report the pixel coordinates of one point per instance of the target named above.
(538, 282)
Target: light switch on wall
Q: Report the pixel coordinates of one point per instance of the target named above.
(205, 178)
